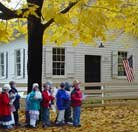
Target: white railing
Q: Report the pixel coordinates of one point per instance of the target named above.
(111, 92)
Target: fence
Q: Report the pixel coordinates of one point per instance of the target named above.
(111, 94)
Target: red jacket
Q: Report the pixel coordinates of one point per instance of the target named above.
(46, 99)
(4, 105)
(76, 97)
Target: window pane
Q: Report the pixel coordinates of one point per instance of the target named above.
(2, 58)
(62, 71)
(58, 72)
(54, 72)
(58, 51)
(54, 65)
(18, 59)
(58, 58)
(18, 69)
(58, 65)
(2, 70)
(62, 65)
(17, 52)
(62, 51)
(54, 50)
(62, 58)
(54, 57)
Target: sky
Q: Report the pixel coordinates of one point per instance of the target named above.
(14, 3)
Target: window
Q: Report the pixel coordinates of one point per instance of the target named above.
(58, 61)
(1, 64)
(121, 57)
(18, 62)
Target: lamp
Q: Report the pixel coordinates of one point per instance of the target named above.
(101, 45)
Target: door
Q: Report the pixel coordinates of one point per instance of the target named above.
(92, 70)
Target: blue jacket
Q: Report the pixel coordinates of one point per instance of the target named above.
(34, 103)
(62, 99)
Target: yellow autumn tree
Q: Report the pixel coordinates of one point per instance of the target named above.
(60, 21)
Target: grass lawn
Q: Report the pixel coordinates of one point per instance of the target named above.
(108, 119)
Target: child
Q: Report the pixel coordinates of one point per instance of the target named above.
(5, 110)
(47, 98)
(68, 118)
(76, 101)
(62, 99)
(35, 99)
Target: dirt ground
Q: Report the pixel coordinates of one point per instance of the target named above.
(108, 119)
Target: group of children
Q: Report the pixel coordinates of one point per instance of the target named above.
(67, 99)
(64, 97)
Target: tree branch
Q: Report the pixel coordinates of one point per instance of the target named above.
(67, 9)
(101, 7)
(4, 16)
(4, 9)
(7, 13)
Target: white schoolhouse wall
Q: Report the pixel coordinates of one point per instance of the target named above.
(19, 44)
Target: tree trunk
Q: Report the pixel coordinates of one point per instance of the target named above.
(35, 51)
(35, 46)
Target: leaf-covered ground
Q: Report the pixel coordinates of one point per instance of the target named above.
(108, 119)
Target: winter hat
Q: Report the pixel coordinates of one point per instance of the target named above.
(62, 85)
(11, 83)
(35, 85)
(6, 87)
(50, 83)
(67, 86)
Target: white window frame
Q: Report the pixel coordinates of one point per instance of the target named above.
(119, 76)
(58, 61)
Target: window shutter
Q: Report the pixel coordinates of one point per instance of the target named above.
(22, 51)
(48, 66)
(114, 65)
(6, 64)
(69, 62)
(23, 63)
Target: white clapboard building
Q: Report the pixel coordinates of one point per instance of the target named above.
(85, 63)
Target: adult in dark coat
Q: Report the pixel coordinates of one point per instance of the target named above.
(16, 102)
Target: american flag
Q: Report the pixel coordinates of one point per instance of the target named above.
(128, 65)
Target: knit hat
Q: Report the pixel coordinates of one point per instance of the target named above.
(62, 85)
(50, 83)
(6, 87)
(67, 86)
(11, 83)
(35, 85)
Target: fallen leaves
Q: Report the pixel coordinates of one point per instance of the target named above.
(108, 119)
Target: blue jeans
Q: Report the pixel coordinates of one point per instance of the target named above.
(76, 115)
(46, 116)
